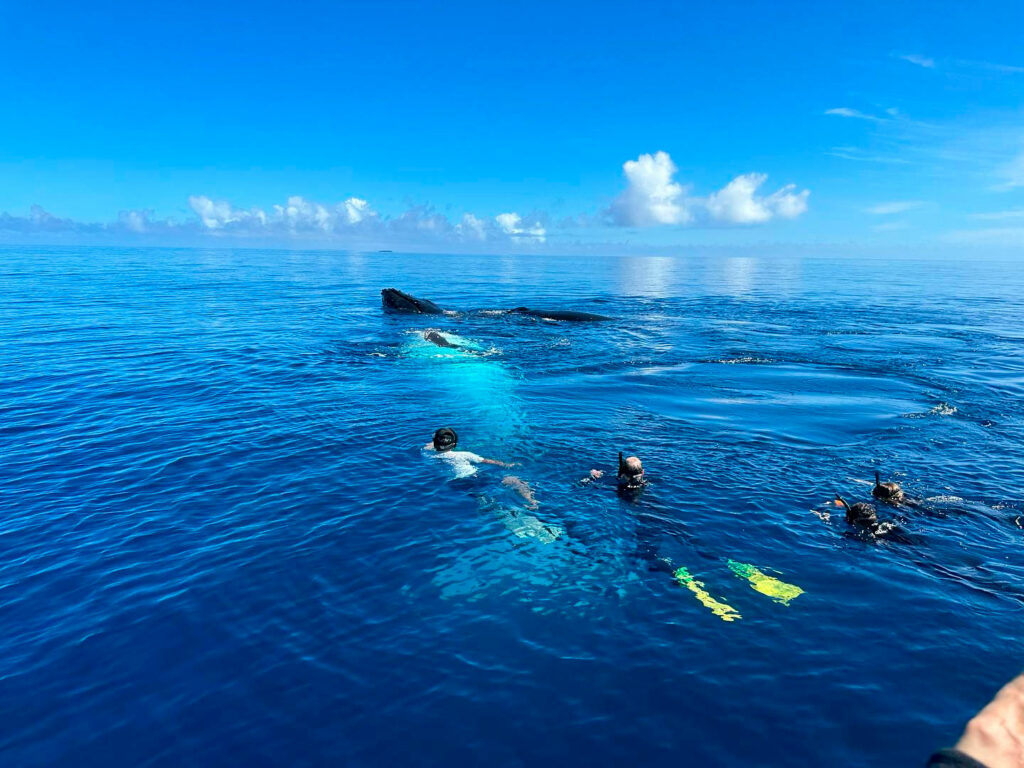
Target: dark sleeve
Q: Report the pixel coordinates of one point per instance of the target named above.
(953, 758)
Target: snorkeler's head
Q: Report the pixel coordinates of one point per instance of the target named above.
(631, 472)
(445, 439)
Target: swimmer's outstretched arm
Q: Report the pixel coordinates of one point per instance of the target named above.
(495, 462)
(994, 738)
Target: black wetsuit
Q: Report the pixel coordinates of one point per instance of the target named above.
(953, 758)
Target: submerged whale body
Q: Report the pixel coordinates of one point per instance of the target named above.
(394, 300)
(559, 314)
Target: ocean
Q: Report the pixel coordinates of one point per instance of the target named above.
(224, 545)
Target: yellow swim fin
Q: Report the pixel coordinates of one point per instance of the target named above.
(777, 590)
(721, 610)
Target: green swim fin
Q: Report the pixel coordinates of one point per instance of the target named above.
(777, 590)
(721, 610)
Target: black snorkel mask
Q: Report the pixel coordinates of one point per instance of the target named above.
(445, 439)
(629, 480)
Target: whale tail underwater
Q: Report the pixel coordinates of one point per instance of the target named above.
(394, 300)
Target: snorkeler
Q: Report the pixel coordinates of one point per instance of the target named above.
(462, 462)
(863, 518)
(630, 477)
(890, 493)
(860, 514)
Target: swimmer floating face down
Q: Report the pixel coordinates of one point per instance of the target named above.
(445, 439)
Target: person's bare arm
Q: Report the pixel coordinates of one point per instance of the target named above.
(995, 736)
(497, 463)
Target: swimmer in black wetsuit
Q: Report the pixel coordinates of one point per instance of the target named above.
(860, 514)
(863, 518)
(890, 493)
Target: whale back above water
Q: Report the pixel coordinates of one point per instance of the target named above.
(394, 300)
(559, 314)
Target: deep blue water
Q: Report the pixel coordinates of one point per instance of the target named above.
(222, 545)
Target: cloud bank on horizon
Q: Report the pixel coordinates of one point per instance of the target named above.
(652, 198)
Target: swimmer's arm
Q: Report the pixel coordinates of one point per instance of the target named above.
(595, 474)
(495, 462)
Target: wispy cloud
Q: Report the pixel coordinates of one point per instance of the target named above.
(41, 221)
(900, 206)
(854, 113)
(653, 197)
(1006, 237)
(960, 66)
(1012, 174)
(891, 226)
(990, 66)
(855, 153)
(1017, 213)
(921, 61)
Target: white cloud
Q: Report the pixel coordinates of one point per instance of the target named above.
(885, 209)
(471, 227)
(512, 225)
(738, 203)
(855, 113)
(357, 209)
(213, 215)
(296, 215)
(355, 216)
(134, 221)
(651, 196)
(921, 61)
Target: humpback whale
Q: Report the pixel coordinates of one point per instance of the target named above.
(559, 314)
(394, 300)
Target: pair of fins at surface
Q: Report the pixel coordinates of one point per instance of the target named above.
(759, 581)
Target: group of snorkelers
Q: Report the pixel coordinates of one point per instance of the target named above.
(630, 477)
(863, 516)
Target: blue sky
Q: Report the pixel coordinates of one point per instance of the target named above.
(551, 126)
